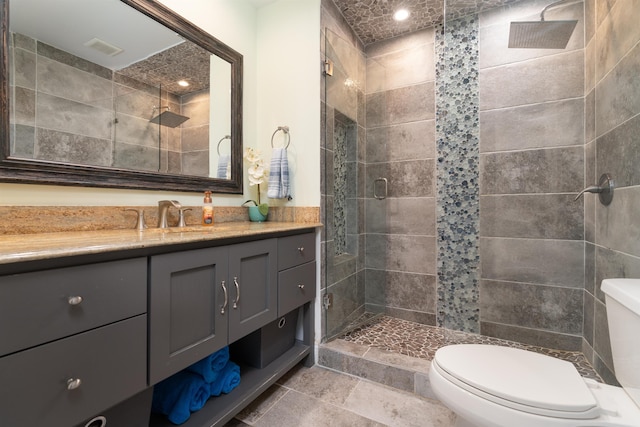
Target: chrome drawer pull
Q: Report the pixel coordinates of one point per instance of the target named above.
(301, 250)
(235, 282)
(226, 298)
(73, 384)
(75, 300)
(301, 286)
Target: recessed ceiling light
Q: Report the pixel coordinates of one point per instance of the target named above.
(183, 83)
(401, 14)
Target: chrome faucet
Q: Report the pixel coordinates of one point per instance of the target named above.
(163, 208)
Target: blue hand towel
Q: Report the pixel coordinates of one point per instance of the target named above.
(228, 379)
(179, 395)
(223, 166)
(210, 366)
(278, 175)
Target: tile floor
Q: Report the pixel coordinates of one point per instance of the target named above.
(386, 384)
(319, 397)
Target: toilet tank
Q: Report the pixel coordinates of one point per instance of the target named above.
(623, 316)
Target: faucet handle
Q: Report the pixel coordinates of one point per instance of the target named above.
(140, 224)
(181, 221)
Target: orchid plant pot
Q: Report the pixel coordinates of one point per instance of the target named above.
(255, 215)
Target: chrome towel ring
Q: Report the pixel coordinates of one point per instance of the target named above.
(285, 130)
(220, 142)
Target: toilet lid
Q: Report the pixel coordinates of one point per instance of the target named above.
(520, 379)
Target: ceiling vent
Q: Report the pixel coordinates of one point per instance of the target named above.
(103, 47)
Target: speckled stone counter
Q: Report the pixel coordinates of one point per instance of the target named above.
(41, 246)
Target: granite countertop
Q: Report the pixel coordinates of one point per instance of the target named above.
(31, 247)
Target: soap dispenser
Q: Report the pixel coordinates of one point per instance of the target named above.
(207, 209)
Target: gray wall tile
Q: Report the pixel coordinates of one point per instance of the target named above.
(65, 147)
(601, 341)
(611, 264)
(530, 336)
(618, 94)
(73, 117)
(616, 223)
(545, 79)
(405, 179)
(409, 41)
(23, 107)
(400, 68)
(533, 171)
(550, 124)
(618, 153)
(415, 140)
(532, 306)
(67, 82)
(401, 105)
(413, 215)
(553, 216)
(549, 262)
(23, 140)
(402, 253)
(588, 322)
(400, 289)
(23, 71)
(618, 33)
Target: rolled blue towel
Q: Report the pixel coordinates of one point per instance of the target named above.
(210, 366)
(179, 395)
(228, 379)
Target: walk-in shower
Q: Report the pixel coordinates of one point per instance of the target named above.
(476, 231)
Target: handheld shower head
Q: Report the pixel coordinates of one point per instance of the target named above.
(542, 34)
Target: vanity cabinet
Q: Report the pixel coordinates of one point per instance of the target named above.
(201, 300)
(88, 335)
(73, 341)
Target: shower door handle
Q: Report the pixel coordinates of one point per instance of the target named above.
(375, 187)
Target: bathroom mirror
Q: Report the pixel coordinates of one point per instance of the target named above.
(92, 95)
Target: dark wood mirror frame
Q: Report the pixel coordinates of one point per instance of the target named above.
(18, 170)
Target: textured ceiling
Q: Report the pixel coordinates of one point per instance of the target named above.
(372, 20)
(186, 61)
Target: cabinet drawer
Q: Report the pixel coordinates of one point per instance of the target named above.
(110, 363)
(296, 286)
(35, 307)
(296, 250)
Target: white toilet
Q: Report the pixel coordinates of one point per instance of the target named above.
(493, 386)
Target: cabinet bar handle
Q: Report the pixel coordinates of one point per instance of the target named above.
(301, 285)
(235, 282)
(75, 300)
(73, 383)
(226, 298)
(301, 250)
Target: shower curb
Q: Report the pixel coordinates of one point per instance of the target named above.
(391, 369)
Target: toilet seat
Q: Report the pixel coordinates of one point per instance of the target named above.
(518, 379)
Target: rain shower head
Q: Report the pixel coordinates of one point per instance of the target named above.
(542, 34)
(168, 118)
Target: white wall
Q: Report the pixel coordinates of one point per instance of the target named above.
(288, 34)
(288, 31)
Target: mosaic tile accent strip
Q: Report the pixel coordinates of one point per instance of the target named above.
(422, 341)
(340, 187)
(458, 187)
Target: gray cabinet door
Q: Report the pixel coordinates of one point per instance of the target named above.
(186, 319)
(253, 277)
